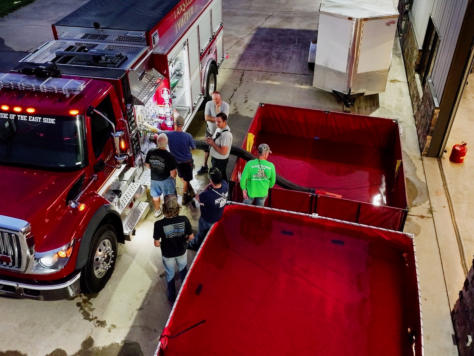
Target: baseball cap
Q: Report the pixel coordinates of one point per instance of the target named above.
(179, 121)
(263, 147)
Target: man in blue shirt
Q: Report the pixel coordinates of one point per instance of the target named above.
(180, 144)
(212, 201)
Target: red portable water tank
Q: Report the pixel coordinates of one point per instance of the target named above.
(458, 152)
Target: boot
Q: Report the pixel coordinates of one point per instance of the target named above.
(182, 273)
(171, 291)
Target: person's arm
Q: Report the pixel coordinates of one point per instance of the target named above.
(220, 149)
(243, 181)
(226, 139)
(210, 118)
(188, 230)
(192, 145)
(272, 176)
(147, 160)
(156, 236)
(225, 108)
(173, 165)
(207, 112)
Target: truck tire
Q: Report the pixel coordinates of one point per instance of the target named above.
(101, 261)
(211, 81)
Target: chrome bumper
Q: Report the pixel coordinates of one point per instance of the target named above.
(63, 290)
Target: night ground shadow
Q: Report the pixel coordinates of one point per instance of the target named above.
(8, 57)
(278, 50)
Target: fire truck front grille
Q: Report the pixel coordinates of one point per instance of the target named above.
(11, 254)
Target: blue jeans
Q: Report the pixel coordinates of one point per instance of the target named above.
(258, 201)
(170, 263)
(165, 187)
(203, 229)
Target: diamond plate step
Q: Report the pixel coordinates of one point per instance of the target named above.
(127, 197)
(134, 217)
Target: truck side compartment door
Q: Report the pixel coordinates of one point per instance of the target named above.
(216, 25)
(194, 68)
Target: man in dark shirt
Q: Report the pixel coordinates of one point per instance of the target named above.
(212, 201)
(163, 172)
(172, 234)
(181, 143)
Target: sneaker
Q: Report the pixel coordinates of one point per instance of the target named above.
(157, 213)
(203, 170)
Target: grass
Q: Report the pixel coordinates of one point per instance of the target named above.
(7, 6)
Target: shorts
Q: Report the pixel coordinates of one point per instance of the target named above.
(185, 170)
(165, 187)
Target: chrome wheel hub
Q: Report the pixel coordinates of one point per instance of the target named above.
(103, 258)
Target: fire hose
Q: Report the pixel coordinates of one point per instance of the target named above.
(241, 153)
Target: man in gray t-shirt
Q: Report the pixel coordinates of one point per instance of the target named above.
(213, 107)
(220, 144)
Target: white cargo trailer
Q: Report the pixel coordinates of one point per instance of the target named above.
(354, 50)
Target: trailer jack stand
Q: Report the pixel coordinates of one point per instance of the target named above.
(348, 99)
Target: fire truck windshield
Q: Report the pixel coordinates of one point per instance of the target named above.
(49, 142)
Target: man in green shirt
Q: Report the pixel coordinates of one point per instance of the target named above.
(258, 176)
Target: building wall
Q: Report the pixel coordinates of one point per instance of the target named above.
(411, 57)
(447, 17)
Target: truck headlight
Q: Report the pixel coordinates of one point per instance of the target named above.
(52, 261)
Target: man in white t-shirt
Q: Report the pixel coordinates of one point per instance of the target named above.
(220, 144)
(213, 107)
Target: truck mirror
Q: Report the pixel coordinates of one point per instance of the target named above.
(99, 166)
(120, 156)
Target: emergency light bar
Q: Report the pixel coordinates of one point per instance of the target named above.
(50, 85)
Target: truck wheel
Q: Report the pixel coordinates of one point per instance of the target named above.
(211, 81)
(101, 262)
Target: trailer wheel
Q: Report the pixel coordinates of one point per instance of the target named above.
(211, 81)
(101, 261)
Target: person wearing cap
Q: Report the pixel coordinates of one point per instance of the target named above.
(220, 144)
(212, 201)
(212, 108)
(258, 177)
(162, 165)
(180, 144)
(172, 234)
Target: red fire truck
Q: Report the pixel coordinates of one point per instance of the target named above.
(73, 120)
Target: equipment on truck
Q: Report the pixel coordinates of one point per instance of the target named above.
(74, 119)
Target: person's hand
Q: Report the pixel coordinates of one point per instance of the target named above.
(209, 140)
(246, 196)
(157, 243)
